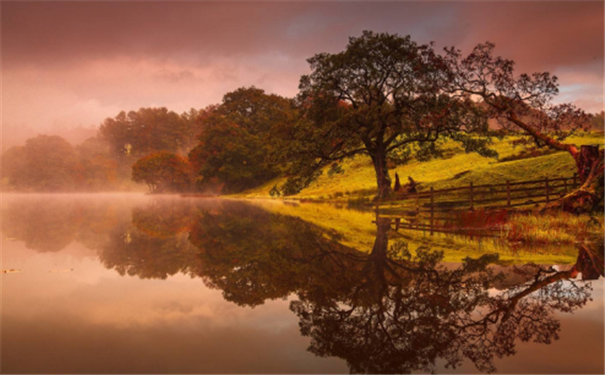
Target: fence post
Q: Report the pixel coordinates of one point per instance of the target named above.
(508, 193)
(471, 194)
(547, 189)
(565, 185)
(417, 212)
(432, 211)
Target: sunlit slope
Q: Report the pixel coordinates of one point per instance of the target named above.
(456, 169)
(358, 231)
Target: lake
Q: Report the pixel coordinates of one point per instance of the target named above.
(150, 284)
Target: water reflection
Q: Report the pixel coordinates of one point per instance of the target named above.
(384, 310)
(405, 312)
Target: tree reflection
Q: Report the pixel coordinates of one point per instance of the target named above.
(387, 311)
(50, 225)
(44, 228)
(409, 311)
(155, 245)
(135, 253)
(252, 255)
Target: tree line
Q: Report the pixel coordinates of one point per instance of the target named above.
(385, 96)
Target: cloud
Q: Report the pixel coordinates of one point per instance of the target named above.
(75, 63)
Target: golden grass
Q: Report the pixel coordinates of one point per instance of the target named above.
(554, 228)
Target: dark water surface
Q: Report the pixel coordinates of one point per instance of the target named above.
(139, 284)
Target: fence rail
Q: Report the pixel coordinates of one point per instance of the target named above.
(434, 206)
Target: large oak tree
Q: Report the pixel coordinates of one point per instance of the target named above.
(381, 94)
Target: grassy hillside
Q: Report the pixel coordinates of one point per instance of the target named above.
(456, 169)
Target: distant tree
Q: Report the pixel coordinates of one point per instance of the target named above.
(523, 105)
(138, 133)
(236, 143)
(162, 172)
(45, 163)
(100, 169)
(380, 95)
(194, 125)
(13, 164)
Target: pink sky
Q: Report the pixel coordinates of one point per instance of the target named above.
(66, 65)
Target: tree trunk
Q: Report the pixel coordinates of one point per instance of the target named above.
(382, 175)
(589, 196)
(590, 261)
(375, 269)
(589, 161)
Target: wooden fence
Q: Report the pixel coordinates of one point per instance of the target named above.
(436, 210)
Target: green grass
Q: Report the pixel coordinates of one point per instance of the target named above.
(358, 180)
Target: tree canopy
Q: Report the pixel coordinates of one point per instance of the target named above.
(139, 133)
(235, 145)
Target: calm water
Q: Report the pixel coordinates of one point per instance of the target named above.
(139, 284)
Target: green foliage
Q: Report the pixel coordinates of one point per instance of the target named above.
(236, 144)
(428, 151)
(163, 172)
